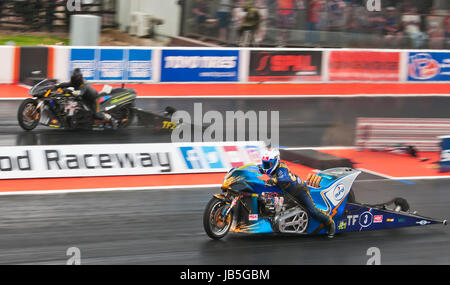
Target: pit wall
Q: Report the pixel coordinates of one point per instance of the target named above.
(224, 65)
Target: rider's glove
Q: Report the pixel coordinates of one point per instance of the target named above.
(76, 93)
(261, 170)
(270, 183)
(313, 180)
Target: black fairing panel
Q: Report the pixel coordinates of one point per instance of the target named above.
(117, 97)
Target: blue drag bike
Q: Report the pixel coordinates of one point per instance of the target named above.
(249, 205)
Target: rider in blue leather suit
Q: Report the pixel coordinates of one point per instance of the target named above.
(281, 176)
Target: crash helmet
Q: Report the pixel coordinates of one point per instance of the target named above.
(270, 160)
(76, 78)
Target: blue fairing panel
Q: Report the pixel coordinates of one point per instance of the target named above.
(362, 218)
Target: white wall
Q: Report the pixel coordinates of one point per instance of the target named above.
(167, 10)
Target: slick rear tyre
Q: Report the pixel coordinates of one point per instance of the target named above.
(125, 115)
(401, 204)
(215, 226)
(27, 115)
(351, 197)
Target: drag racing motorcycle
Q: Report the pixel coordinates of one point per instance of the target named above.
(249, 205)
(61, 109)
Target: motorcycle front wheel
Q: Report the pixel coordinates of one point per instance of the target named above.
(215, 224)
(28, 115)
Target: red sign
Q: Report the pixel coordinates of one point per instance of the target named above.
(364, 66)
(286, 65)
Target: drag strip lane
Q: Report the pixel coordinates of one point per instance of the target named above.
(165, 227)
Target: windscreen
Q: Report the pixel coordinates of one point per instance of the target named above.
(43, 85)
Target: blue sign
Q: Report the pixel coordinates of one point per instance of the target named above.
(444, 163)
(139, 64)
(199, 65)
(120, 64)
(86, 60)
(429, 66)
(111, 64)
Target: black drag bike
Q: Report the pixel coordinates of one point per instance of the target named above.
(60, 108)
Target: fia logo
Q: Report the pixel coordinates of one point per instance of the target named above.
(74, 5)
(373, 5)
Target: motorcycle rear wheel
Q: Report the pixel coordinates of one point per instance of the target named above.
(27, 115)
(124, 115)
(213, 223)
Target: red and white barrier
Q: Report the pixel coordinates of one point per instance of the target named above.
(422, 133)
(234, 65)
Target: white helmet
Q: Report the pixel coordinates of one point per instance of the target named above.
(270, 160)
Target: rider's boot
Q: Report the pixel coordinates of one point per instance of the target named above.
(114, 123)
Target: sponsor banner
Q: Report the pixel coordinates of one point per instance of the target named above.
(220, 157)
(111, 65)
(199, 65)
(364, 66)
(103, 64)
(444, 163)
(429, 66)
(139, 65)
(285, 66)
(124, 159)
(86, 60)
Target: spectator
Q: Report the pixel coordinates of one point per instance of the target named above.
(224, 16)
(285, 19)
(377, 22)
(312, 21)
(336, 17)
(447, 31)
(357, 22)
(435, 31)
(411, 21)
(263, 13)
(250, 23)
(199, 10)
(392, 29)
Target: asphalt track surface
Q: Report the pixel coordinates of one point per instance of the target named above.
(165, 226)
(302, 122)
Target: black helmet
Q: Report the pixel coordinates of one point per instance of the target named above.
(76, 78)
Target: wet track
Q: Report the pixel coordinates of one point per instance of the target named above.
(302, 122)
(165, 226)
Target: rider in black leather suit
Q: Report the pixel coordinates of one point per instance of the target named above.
(89, 95)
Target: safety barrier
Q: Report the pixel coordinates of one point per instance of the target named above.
(125, 159)
(244, 65)
(382, 133)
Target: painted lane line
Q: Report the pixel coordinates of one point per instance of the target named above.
(376, 173)
(263, 96)
(68, 191)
